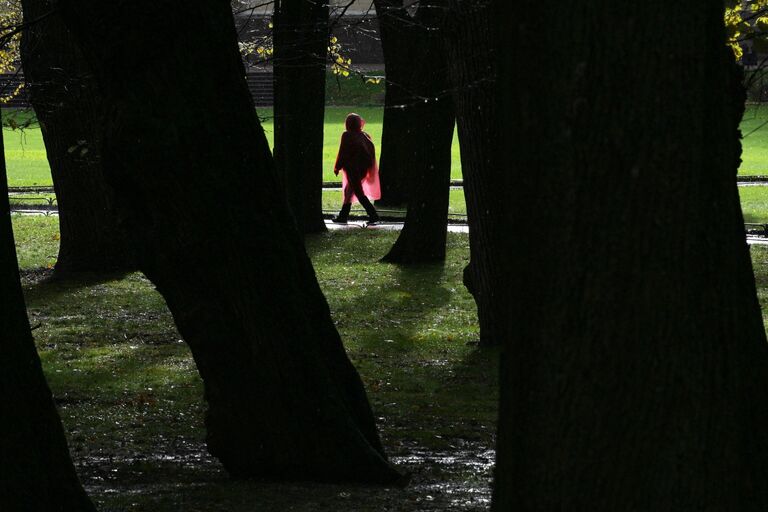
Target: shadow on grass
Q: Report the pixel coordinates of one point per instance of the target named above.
(45, 284)
(394, 310)
(130, 397)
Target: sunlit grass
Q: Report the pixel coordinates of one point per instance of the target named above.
(27, 164)
(37, 240)
(754, 127)
(754, 203)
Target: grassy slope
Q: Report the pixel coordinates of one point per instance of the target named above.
(130, 396)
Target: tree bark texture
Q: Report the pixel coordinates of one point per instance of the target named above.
(399, 125)
(432, 120)
(472, 64)
(65, 98)
(183, 145)
(636, 369)
(301, 44)
(36, 472)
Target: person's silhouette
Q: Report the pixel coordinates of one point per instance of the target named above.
(360, 181)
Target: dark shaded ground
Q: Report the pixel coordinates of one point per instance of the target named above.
(131, 400)
(195, 482)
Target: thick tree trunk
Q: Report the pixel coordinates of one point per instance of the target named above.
(422, 239)
(301, 44)
(36, 472)
(471, 57)
(64, 96)
(634, 377)
(395, 30)
(201, 197)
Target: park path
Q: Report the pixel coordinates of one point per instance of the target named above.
(387, 226)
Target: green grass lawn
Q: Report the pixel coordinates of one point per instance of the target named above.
(25, 158)
(754, 127)
(760, 266)
(754, 203)
(27, 164)
(131, 399)
(334, 127)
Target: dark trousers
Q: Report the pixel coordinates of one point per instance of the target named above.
(355, 186)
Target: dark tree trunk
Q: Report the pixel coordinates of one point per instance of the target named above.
(64, 96)
(423, 237)
(301, 45)
(469, 39)
(635, 375)
(395, 30)
(37, 472)
(184, 147)
(432, 118)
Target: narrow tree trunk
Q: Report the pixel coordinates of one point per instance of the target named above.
(469, 39)
(36, 472)
(200, 194)
(422, 239)
(301, 45)
(397, 124)
(64, 96)
(634, 377)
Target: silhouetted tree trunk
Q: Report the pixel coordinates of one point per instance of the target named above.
(395, 30)
(635, 375)
(37, 472)
(471, 58)
(301, 45)
(422, 239)
(64, 96)
(197, 183)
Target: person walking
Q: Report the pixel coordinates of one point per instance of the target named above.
(360, 181)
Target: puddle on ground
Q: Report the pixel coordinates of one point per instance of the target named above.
(444, 480)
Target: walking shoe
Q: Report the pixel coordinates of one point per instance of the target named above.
(341, 218)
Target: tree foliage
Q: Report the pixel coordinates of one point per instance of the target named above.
(746, 21)
(10, 59)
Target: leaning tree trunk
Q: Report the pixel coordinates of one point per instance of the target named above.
(301, 45)
(64, 96)
(472, 67)
(398, 128)
(423, 237)
(37, 472)
(201, 198)
(636, 373)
